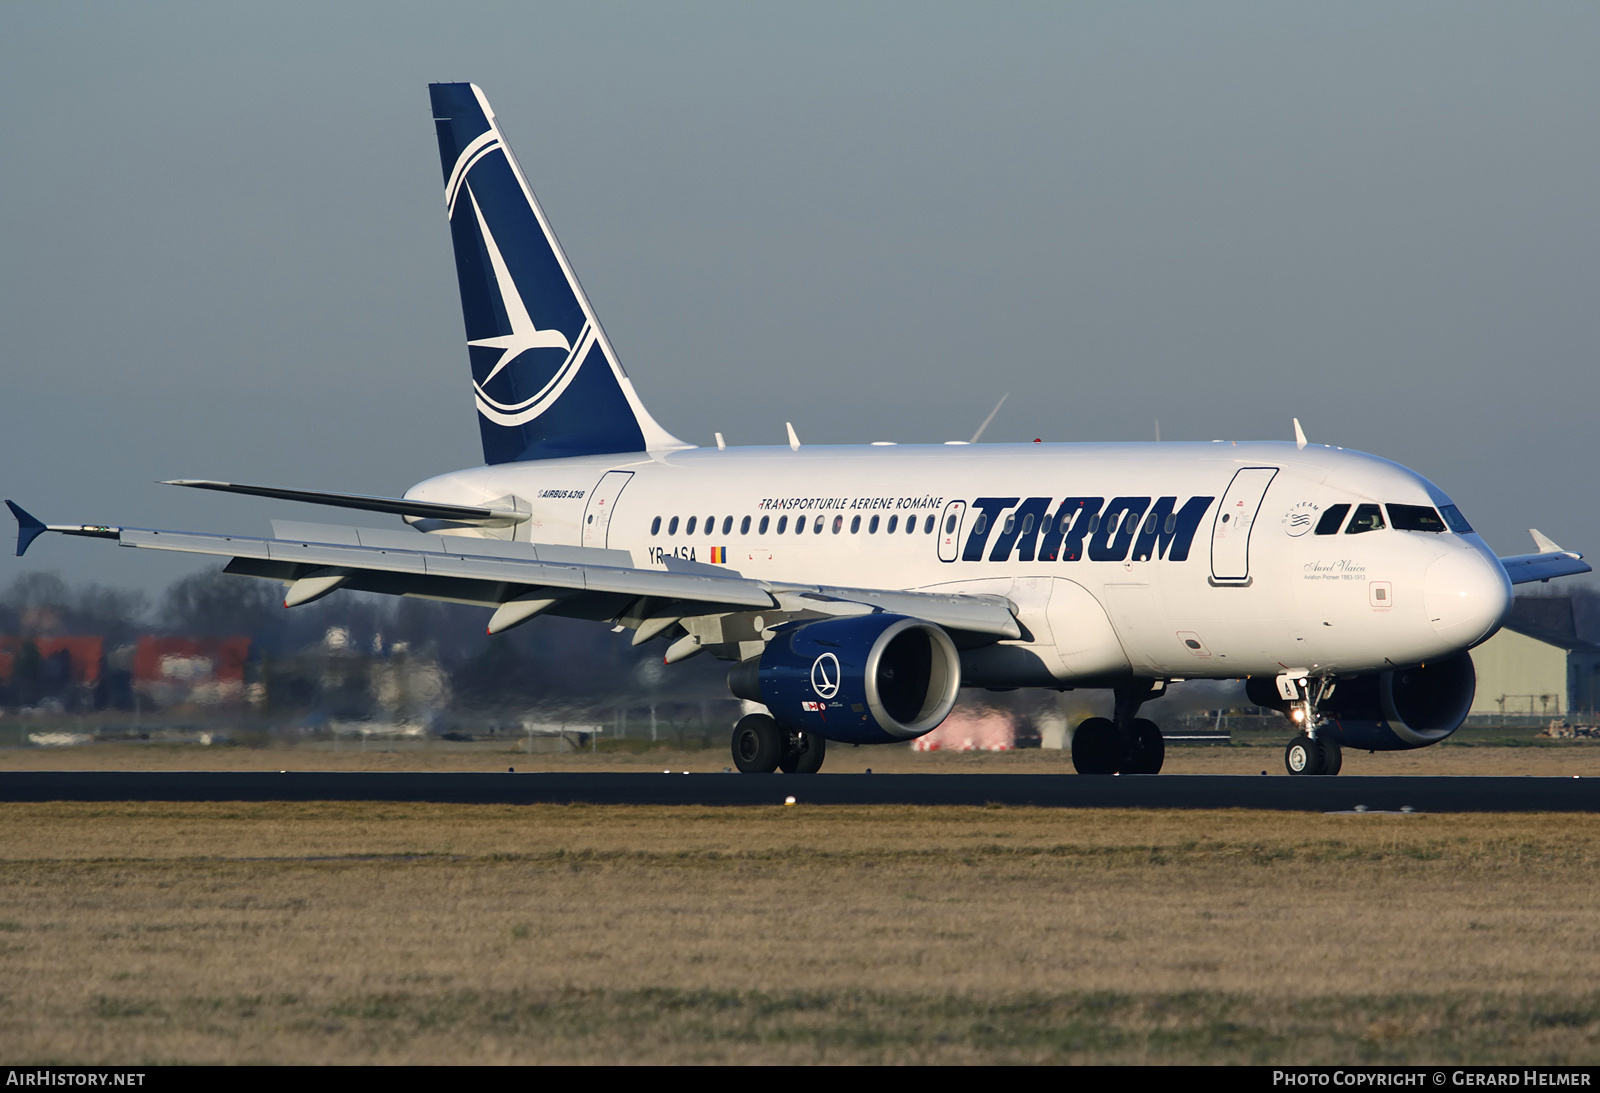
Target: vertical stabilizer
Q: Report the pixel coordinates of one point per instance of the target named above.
(545, 378)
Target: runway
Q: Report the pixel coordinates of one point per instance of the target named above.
(1338, 794)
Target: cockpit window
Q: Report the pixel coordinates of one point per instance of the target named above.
(1329, 524)
(1415, 518)
(1367, 518)
(1454, 520)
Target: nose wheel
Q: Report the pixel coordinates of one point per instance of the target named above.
(1307, 755)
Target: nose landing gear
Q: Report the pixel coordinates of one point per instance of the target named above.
(1313, 751)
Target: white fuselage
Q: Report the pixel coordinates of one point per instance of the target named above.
(1260, 591)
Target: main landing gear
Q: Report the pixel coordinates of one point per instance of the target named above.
(1312, 752)
(1123, 743)
(760, 746)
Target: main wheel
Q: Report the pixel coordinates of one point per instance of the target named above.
(1332, 754)
(1305, 756)
(1149, 750)
(1097, 747)
(803, 754)
(758, 744)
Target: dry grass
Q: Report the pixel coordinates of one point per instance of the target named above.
(434, 933)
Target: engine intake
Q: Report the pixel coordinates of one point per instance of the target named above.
(1391, 711)
(868, 679)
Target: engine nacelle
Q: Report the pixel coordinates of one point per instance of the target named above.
(867, 679)
(1391, 711)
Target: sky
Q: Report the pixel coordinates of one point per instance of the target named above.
(223, 250)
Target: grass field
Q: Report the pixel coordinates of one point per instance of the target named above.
(147, 933)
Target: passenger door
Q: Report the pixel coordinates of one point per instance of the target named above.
(1236, 516)
(602, 500)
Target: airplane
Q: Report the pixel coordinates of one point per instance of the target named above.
(855, 589)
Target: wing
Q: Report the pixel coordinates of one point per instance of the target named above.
(1551, 561)
(522, 580)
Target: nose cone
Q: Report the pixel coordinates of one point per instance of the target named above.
(1466, 595)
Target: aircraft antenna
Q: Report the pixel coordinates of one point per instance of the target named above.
(990, 418)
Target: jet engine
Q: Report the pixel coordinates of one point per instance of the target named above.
(1391, 711)
(867, 679)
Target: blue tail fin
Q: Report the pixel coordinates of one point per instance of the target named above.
(546, 379)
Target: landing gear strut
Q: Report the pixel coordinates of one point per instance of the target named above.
(1312, 752)
(760, 746)
(1125, 744)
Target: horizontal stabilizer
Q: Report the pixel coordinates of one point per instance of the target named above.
(400, 506)
(29, 527)
(1527, 568)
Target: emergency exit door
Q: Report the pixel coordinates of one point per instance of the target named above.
(949, 530)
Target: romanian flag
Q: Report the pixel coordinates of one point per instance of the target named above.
(719, 555)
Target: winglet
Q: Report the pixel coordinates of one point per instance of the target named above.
(1545, 544)
(29, 527)
(1299, 435)
(794, 439)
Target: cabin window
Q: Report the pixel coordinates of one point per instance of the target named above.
(855, 524)
(1454, 520)
(927, 526)
(1171, 525)
(761, 529)
(688, 529)
(1367, 518)
(1414, 518)
(838, 524)
(894, 522)
(817, 528)
(978, 525)
(949, 525)
(1111, 524)
(727, 524)
(655, 526)
(711, 525)
(799, 525)
(1010, 524)
(672, 528)
(1150, 523)
(1066, 522)
(1094, 523)
(744, 526)
(783, 524)
(1027, 524)
(872, 526)
(1332, 519)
